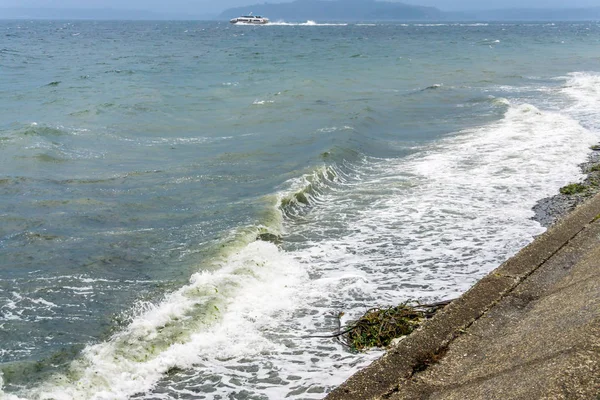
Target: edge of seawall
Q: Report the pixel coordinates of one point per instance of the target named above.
(427, 345)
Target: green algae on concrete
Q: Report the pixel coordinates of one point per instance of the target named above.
(573, 188)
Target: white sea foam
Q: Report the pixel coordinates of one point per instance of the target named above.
(219, 316)
(423, 227)
(262, 102)
(44, 302)
(429, 226)
(307, 23)
(584, 89)
(18, 307)
(181, 140)
(334, 129)
(437, 25)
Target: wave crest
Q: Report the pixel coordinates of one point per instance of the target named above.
(308, 189)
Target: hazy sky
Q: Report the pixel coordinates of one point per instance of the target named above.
(213, 6)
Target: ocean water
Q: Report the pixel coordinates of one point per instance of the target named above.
(141, 163)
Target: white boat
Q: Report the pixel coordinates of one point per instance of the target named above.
(250, 19)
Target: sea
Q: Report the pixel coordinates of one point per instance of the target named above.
(183, 205)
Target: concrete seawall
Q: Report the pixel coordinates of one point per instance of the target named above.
(528, 330)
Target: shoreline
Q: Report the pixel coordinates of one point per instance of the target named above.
(419, 366)
(550, 210)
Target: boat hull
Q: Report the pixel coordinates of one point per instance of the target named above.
(250, 21)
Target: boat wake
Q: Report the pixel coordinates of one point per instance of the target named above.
(307, 23)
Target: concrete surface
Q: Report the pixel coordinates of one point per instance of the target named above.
(528, 330)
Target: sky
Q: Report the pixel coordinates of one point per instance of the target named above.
(212, 6)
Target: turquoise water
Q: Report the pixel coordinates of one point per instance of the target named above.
(141, 160)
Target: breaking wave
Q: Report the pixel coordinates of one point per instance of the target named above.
(425, 226)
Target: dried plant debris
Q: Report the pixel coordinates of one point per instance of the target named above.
(378, 327)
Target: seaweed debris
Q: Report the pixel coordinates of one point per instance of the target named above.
(378, 327)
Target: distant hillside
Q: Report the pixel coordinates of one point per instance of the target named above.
(568, 14)
(337, 10)
(90, 14)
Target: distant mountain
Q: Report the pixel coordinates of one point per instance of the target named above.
(567, 14)
(337, 10)
(92, 14)
(320, 10)
(372, 10)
